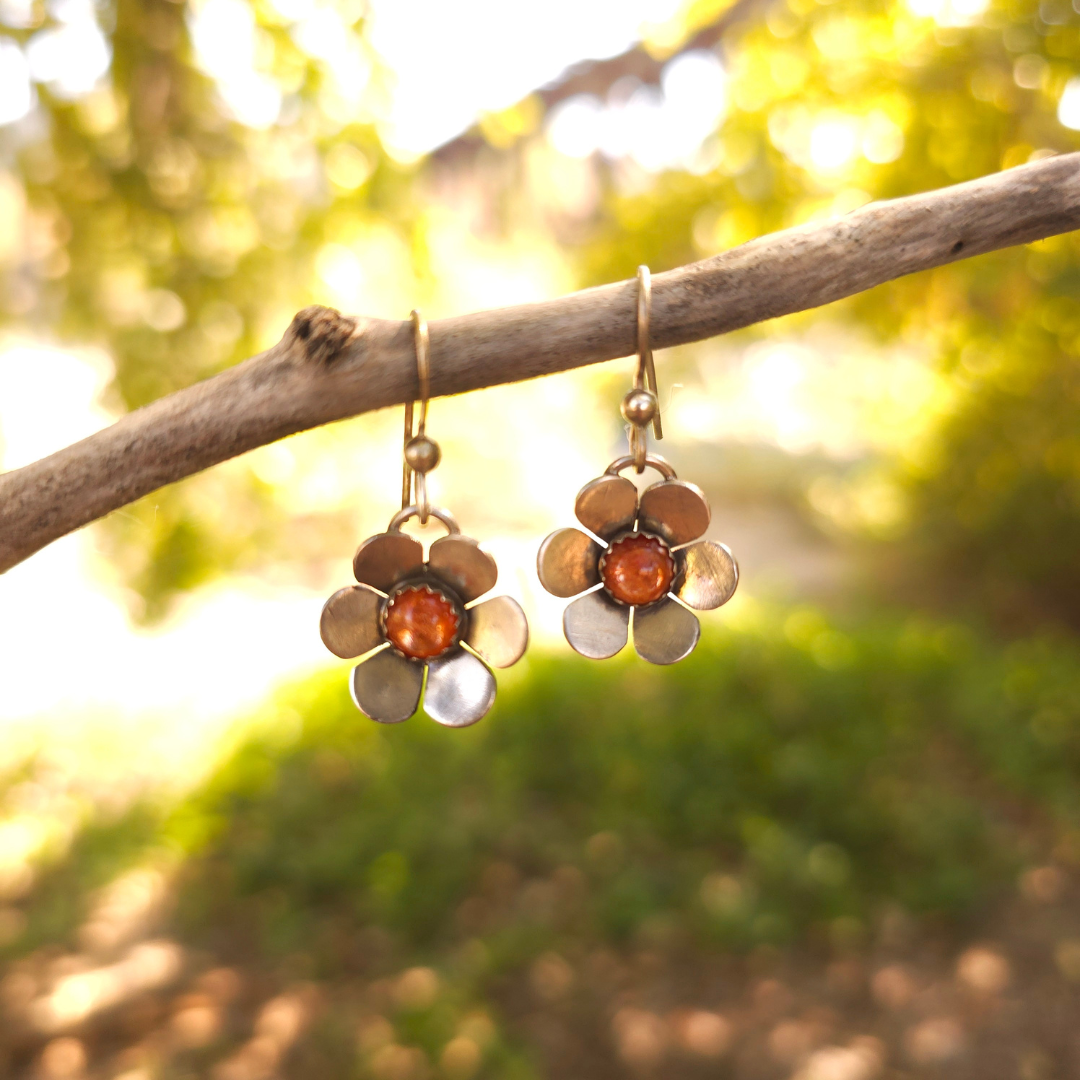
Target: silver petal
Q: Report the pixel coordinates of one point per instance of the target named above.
(708, 575)
(665, 632)
(387, 687)
(349, 624)
(460, 689)
(676, 510)
(567, 562)
(607, 505)
(498, 631)
(469, 571)
(384, 560)
(595, 625)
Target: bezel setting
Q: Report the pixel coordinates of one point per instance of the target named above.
(436, 589)
(630, 534)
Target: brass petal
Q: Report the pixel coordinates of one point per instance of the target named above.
(498, 631)
(460, 689)
(708, 575)
(384, 560)
(595, 625)
(349, 623)
(607, 505)
(665, 632)
(676, 510)
(387, 687)
(469, 571)
(567, 562)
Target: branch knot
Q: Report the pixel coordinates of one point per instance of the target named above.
(321, 333)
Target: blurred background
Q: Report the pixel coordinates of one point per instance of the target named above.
(840, 842)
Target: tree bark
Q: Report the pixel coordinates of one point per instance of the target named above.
(328, 366)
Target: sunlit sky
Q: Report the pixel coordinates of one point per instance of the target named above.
(77, 674)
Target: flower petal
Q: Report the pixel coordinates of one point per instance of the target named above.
(387, 687)
(676, 510)
(349, 624)
(665, 632)
(469, 571)
(607, 505)
(568, 562)
(708, 575)
(498, 631)
(595, 625)
(460, 689)
(383, 560)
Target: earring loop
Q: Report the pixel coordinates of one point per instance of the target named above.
(421, 454)
(646, 368)
(641, 406)
(423, 346)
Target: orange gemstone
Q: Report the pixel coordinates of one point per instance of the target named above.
(637, 569)
(421, 622)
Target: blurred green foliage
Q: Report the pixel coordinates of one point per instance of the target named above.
(793, 773)
(797, 782)
(169, 231)
(993, 500)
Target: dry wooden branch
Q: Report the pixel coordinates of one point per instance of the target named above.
(328, 367)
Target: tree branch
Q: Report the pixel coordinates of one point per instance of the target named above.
(328, 367)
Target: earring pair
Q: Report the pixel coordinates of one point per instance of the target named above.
(638, 568)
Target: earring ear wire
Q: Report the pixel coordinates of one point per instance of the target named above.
(646, 367)
(421, 454)
(641, 406)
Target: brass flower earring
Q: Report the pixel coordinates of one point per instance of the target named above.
(638, 565)
(408, 616)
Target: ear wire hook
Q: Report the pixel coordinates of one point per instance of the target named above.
(421, 453)
(646, 368)
(642, 405)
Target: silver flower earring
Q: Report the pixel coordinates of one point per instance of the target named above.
(409, 617)
(638, 566)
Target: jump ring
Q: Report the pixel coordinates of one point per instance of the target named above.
(438, 512)
(653, 461)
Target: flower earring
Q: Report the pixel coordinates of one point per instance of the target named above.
(408, 616)
(639, 566)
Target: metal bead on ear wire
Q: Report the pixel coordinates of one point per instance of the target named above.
(409, 617)
(639, 407)
(638, 565)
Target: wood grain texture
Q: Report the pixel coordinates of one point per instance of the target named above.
(328, 366)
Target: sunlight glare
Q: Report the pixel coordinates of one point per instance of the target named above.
(462, 51)
(833, 143)
(1069, 105)
(658, 127)
(322, 33)
(882, 139)
(949, 12)
(31, 373)
(695, 99)
(16, 97)
(19, 14)
(223, 33)
(147, 966)
(73, 56)
(573, 126)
